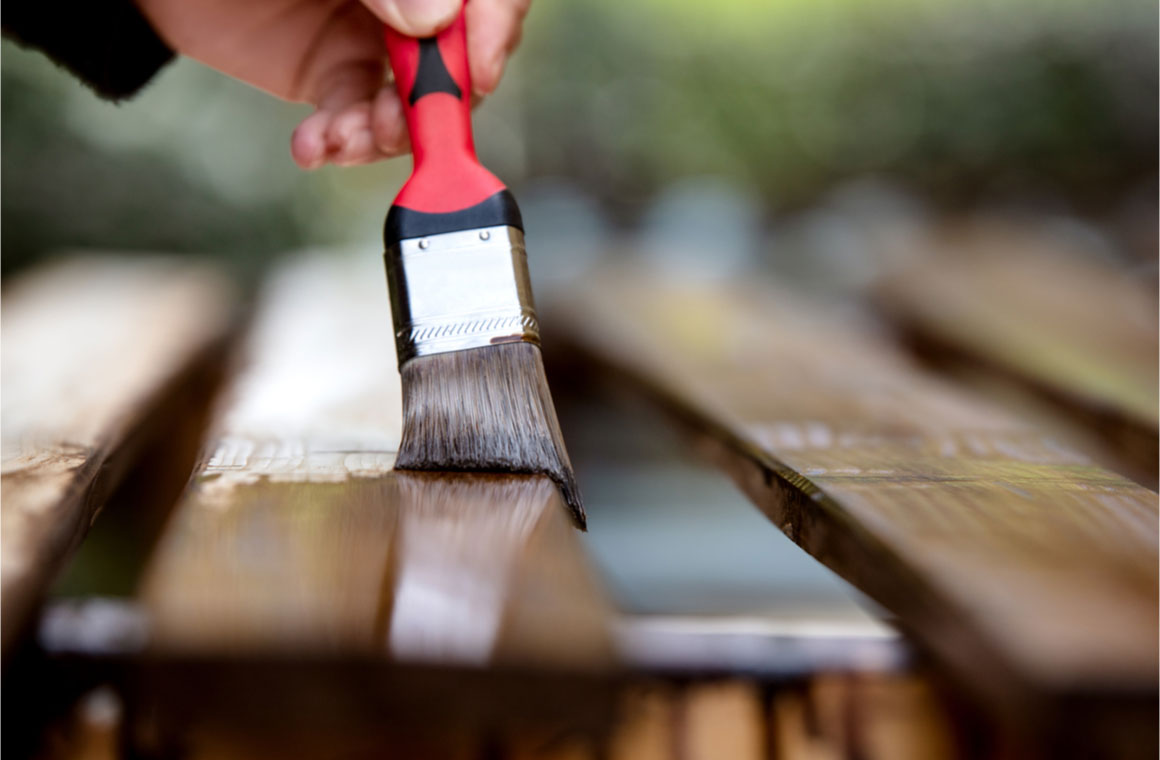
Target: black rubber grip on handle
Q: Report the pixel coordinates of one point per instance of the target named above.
(432, 75)
(499, 210)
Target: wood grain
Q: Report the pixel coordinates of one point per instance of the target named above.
(1025, 569)
(304, 594)
(96, 352)
(1078, 332)
(297, 537)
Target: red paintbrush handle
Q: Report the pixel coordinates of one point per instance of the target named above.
(434, 82)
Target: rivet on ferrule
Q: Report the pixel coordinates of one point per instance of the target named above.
(460, 290)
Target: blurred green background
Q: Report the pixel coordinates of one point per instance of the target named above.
(1041, 103)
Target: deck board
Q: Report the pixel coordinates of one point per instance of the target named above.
(297, 543)
(297, 535)
(1014, 307)
(101, 354)
(1019, 564)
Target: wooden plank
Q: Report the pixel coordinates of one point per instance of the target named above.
(791, 734)
(702, 581)
(98, 352)
(1077, 332)
(298, 535)
(646, 729)
(472, 569)
(722, 719)
(878, 717)
(899, 718)
(297, 539)
(1028, 571)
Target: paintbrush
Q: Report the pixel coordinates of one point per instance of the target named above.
(475, 396)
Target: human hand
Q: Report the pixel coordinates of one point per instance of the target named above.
(331, 54)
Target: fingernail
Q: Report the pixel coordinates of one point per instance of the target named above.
(301, 152)
(424, 17)
(490, 80)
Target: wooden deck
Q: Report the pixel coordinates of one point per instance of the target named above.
(998, 304)
(103, 360)
(1025, 569)
(303, 598)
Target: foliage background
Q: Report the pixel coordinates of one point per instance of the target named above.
(1048, 104)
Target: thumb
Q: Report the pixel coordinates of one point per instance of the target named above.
(415, 18)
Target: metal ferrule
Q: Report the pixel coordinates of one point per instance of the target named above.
(460, 290)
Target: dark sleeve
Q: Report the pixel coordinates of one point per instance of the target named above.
(107, 44)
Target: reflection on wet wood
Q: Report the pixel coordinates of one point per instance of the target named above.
(1027, 570)
(297, 536)
(487, 571)
(300, 558)
(1080, 335)
(101, 356)
(469, 569)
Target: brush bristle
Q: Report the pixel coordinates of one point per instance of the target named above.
(485, 409)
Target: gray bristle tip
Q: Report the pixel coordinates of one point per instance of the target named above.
(485, 410)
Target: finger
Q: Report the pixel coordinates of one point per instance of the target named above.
(494, 28)
(387, 123)
(354, 82)
(415, 18)
(348, 138)
(308, 143)
(359, 149)
(347, 54)
(312, 143)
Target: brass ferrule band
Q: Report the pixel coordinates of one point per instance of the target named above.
(460, 290)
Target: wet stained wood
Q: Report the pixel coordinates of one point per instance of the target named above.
(1017, 307)
(469, 569)
(298, 543)
(1018, 564)
(104, 357)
